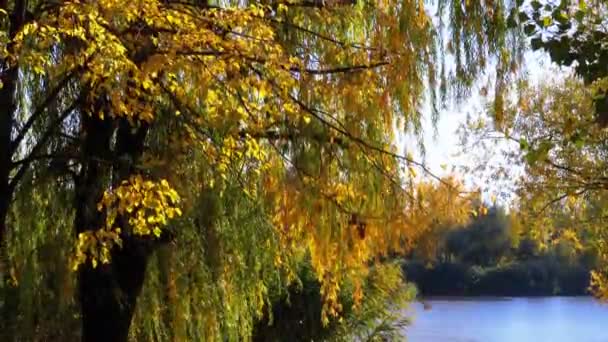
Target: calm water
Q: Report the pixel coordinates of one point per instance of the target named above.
(551, 319)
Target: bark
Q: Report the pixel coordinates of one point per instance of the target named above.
(108, 293)
(7, 109)
(8, 75)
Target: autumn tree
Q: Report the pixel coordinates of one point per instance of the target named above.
(157, 108)
(560, 127)
(557, 162)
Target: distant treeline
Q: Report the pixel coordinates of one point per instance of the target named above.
(541, 277)
(492, 256)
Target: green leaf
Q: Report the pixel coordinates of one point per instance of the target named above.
(539, 154)
(560, 16)
(582, 5)
(544, 149)
(578, 140)
(523, 144)
(536, 5)
(536, 43)
(530, 29)
(511, 19)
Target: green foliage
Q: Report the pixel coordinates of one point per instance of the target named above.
(212, 283)
(379, 317)
(484, 241)
(37, 293)
(545, 275)
(573, 35)
(492, 255)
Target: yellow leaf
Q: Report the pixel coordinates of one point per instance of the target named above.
(412, 171)
(157, 232)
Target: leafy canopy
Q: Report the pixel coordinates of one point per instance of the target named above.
(294, 105)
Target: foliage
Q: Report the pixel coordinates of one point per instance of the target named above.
(214, 281)
(271, 123)
(150, 206)
(561, 191)
(487, 257)
(378, 317)
(38, 291)
(573, 34)
(581, 37)
(544, 276)
(483, 242)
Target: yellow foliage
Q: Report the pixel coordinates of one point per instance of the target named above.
(147, 205)
(599, 285)
(599, 277)
(342, 244)
(304, 120)
(136, 207)
(95, 246)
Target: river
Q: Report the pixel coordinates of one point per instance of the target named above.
(550, 319)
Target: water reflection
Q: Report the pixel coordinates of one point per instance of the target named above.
(551, 319)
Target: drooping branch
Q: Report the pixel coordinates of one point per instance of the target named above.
(320, 3)
(43, 106)
(367, 145)
(341, 70)
(40, 143)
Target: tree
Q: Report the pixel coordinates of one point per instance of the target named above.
(562, 151)
(573, 35)
(581, 37)
(482, 242)
(167, 102)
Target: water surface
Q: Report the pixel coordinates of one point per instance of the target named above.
(551, 319)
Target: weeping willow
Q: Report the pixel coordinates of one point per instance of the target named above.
(272, 124)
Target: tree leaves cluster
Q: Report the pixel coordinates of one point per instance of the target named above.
(273, 123)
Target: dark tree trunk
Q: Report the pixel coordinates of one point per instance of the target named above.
(108, 293)
(8, 76)
(7, 109)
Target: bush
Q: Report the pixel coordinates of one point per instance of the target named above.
(296, 316)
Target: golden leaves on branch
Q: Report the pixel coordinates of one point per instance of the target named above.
(137, 207)
(599, 276)
(244, 83)
(148, 204)
(95, 246)
(341, 231)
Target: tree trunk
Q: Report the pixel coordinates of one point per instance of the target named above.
(7, 109)
(8, 76)
(108, 293)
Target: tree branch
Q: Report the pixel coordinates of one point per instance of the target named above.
(41, 142)
(45, 103)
